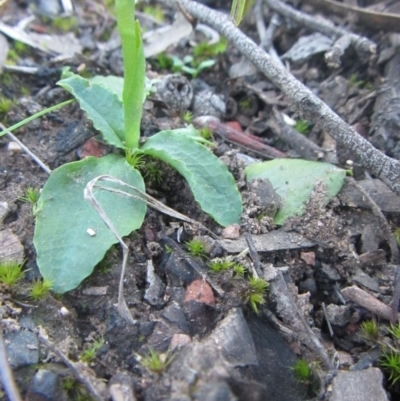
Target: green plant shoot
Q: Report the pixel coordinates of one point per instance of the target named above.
(70, 237)
(239, 9)
(134, 67)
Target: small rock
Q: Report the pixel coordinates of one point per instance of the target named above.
(339, 315)
(217, 390)
(308, 285)
(95, 291)
(231, 232)
(155, 290)
(179, 271)
(269, 272)
(176, 92)
(22, 348)
(14, 147)
(307, 46)
(308, 257)
(49, 8)
(208, 103)
(27, 322)
(146, 328)
(11, 248)
(160, 338)
(64, 312)
(121, 388)
(45, 386)
(269, 200)
(345, 359)
(234, 340)
(174, 314)
(200, 291)
(330, 272)
(371, 237)
(367, 359)
(358, 386)
(200, 317)
(179, 340)
(4, 209)
(371, 283)
(245, 159)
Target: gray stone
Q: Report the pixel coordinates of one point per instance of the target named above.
(330, 272)
(273, 241)
(22, 348)
(307, 46)
(174, 314)
(4, 209)
(11, 248)
(371, 283)
(27, 322)
(45, 386)
(208, 103)
(175, 91)
(339, 315)
(155, 290)
(269, 200)
(358, 386)
(234, 340)
(214, 391)
(308, 285)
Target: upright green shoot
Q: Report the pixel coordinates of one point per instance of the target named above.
(239, 9)
(134, 71)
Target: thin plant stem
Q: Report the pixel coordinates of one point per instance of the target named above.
(34, 117)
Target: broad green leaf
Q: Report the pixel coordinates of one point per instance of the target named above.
(193, 133)
(116, 85)
(213, 186)
(66, 253)
(111, 82)
(294, 181)
(101, 105)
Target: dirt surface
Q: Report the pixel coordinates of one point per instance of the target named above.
(346, 243)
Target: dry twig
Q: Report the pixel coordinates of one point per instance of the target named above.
(367, 301)
(245, 140)
(26, 150)
(311, 107)
(298, 142)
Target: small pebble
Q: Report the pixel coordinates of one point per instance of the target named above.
(179, 340)
(95, 291)
(14, 147)
(64, 311)
(308, 257)
(200, 291)
(231, 232)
